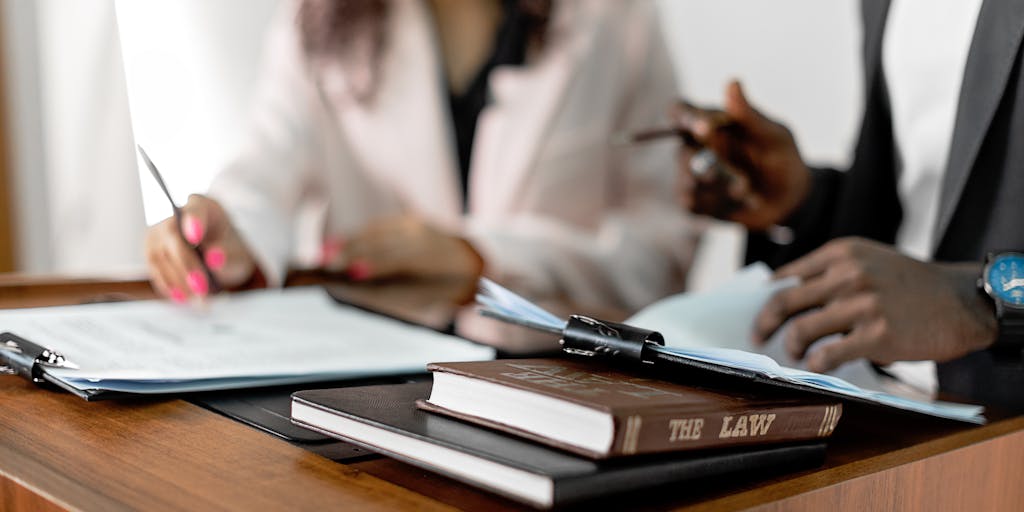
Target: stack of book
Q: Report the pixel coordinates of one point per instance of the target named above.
(548, 432)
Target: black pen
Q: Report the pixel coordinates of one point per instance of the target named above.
(703, 162)
(212, 281)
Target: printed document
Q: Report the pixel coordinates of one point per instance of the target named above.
(245, 339)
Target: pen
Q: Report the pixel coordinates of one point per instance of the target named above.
(703, 162)
(214, 286)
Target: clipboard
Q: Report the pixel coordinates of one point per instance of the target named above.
(19, 356)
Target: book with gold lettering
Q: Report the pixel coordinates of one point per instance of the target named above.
(601, 412)
(384, 419)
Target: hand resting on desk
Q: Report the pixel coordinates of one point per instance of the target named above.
(402, 246)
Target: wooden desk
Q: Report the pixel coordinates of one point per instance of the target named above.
(60, 452)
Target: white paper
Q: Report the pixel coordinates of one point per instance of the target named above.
(265, 336)
(723, 317)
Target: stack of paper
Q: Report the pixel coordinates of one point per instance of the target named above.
(264, 337)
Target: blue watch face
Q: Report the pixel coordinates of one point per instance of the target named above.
(1006, 278)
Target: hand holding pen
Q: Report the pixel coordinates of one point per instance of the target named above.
(736, 164)
(196, 251)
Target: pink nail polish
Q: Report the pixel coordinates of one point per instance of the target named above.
(177, 296)
(330, 250)
(197, 283)
(193, 230)
(359, 271)
(215, 258)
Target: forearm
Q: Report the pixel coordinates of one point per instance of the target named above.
(625, 263)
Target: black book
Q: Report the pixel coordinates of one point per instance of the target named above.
(385, 419)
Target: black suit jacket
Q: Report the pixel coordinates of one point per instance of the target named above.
(982, 204)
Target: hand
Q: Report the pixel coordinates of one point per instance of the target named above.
(174, 268)
(404, 247)
(769, 178)
(887, 307)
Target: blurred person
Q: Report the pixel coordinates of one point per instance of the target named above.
(913, 253)
(451, 138)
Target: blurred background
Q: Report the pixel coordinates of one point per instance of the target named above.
(71, 197)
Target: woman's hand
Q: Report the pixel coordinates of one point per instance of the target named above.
(886, 306)
(174, 267)
(404, 246)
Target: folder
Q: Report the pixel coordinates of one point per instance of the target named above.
(623, 344)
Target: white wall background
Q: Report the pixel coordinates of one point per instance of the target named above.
(77, 182)
(190, 68)
(77, 199)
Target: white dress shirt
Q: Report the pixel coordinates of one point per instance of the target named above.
(923, 57)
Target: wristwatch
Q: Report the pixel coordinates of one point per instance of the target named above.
(1003, 281)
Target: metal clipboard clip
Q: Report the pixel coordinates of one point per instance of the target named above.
(585, 336)
(19, 356)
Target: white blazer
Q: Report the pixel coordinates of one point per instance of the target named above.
(559, 213)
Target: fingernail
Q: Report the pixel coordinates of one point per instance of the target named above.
(177, 296)
(193, 230)
(359, 271)
(215, 258)
(330, 250)
(197, 283)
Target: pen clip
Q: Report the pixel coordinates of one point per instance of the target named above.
(19, 356)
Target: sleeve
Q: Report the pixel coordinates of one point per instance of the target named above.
(810, 225)
(641, 247)
(261, 190)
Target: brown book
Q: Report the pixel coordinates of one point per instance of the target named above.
(600, 413)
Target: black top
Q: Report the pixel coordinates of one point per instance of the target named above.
(509, 50)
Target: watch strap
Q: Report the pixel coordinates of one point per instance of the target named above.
(1010, 340)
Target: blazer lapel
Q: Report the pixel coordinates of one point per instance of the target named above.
(513, 126)
(403, 136)
(874, 14)
(997, 40)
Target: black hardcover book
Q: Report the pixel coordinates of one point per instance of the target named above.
(385, 419)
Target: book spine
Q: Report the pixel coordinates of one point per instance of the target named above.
(655, 433)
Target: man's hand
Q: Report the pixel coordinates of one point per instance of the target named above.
(404, 247)
(887, 307)
(769, 179)
(175, 270)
